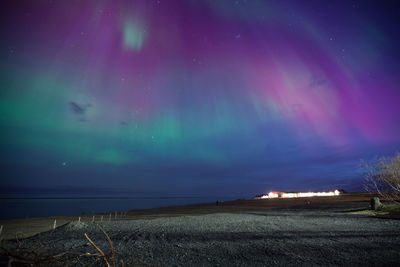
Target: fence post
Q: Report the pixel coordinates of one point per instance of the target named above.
(55, 223)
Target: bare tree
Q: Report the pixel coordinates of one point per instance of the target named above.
(383, 176)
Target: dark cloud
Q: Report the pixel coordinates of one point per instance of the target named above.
(77, 108)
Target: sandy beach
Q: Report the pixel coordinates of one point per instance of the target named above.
(283, 232)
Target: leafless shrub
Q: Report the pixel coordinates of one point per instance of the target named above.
(383, 176)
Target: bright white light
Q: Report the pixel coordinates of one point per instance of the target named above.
(310, 194)
(273, 195)
(300, 194)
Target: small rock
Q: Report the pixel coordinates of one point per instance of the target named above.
(72, 226)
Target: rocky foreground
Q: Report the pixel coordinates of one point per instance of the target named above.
(317, 234)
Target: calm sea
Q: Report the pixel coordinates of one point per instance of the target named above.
(11, 208)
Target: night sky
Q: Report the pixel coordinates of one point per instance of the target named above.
(195, 97)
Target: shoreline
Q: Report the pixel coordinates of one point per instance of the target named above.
(28, 227)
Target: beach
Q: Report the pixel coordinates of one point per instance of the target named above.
(27, 227)
(283, 232)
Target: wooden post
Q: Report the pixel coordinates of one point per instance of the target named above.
(101, 218)
(79, 219)
(55, 223)
(93, 219)
(1, 229)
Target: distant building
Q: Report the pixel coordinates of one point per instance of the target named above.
(277, 194)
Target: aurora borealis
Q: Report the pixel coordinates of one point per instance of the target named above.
(196, 97)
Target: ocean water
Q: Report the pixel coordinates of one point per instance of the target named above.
(12, 208)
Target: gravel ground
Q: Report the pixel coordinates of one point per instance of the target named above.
(312, 235)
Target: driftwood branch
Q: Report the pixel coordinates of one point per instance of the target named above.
(34, 256)
(110, 243)
(98, 250)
